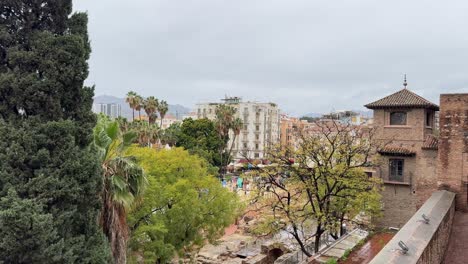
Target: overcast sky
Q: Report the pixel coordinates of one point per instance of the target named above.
(305, 55)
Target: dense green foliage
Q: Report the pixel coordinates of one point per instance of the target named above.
(200, 137)
(170, 135)
(183, 205)
(49, 177)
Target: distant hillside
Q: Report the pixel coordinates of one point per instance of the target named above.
(176, 110)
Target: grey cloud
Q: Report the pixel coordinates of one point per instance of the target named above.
(308, 56)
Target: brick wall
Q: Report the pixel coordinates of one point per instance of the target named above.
(414, 130)
(452, 169)
(399, 205)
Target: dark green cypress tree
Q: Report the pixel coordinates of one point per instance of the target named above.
(50, 178)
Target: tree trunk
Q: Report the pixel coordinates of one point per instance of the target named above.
(133, 112)
(342, 230)
(139, 114)
(318, 235)
(230, 151)
(303, 247)
(114, 223)
(119, 234)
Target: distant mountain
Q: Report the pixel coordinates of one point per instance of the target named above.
(175, 110)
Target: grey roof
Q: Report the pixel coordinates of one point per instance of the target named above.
(402, 99)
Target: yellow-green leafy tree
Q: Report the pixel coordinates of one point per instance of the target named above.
(183, 206)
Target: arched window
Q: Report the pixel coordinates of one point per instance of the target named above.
(398, 118)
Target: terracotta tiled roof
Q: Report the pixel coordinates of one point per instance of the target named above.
(431, 142)
(396, 150)
(403, 98)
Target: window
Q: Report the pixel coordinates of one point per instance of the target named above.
(429, 119)
(256, 155)
(396, 169)
(245, 127)
(256, 146)
(257, 128)
(245, 145)
(257, 137)
(398, 118)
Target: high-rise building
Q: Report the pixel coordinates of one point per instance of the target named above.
(260, 126)
(111, 110)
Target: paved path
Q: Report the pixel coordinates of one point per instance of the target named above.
(457, 251)
(338, 249)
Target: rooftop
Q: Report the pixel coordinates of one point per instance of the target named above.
(431, 142)
(402, 99)
(396, 150)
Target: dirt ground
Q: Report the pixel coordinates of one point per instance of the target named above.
(364, 254)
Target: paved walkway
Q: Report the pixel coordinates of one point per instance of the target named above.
(338, 249)
(457, 251)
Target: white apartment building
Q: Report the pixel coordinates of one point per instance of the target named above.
(261, 126)
(111, 110)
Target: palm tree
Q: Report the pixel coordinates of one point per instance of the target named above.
(163, 107)
(151, 105)
(236, 127)
(225, 116)
(123, 181)
(123, 124)
(138, 105)
(130, 99)
(147, 134)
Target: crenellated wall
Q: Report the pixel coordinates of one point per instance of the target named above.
(452, 171)
(426, 242)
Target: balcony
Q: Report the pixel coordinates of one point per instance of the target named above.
(405, 180)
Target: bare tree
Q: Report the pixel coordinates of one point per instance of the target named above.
(321, 184)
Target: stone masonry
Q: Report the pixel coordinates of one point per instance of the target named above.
(453, 147)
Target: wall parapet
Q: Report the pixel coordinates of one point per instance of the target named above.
(426, 242)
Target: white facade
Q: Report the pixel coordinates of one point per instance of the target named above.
(261, 126)
(167, 121)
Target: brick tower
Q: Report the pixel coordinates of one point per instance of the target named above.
(453, 147)
(405, 127)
